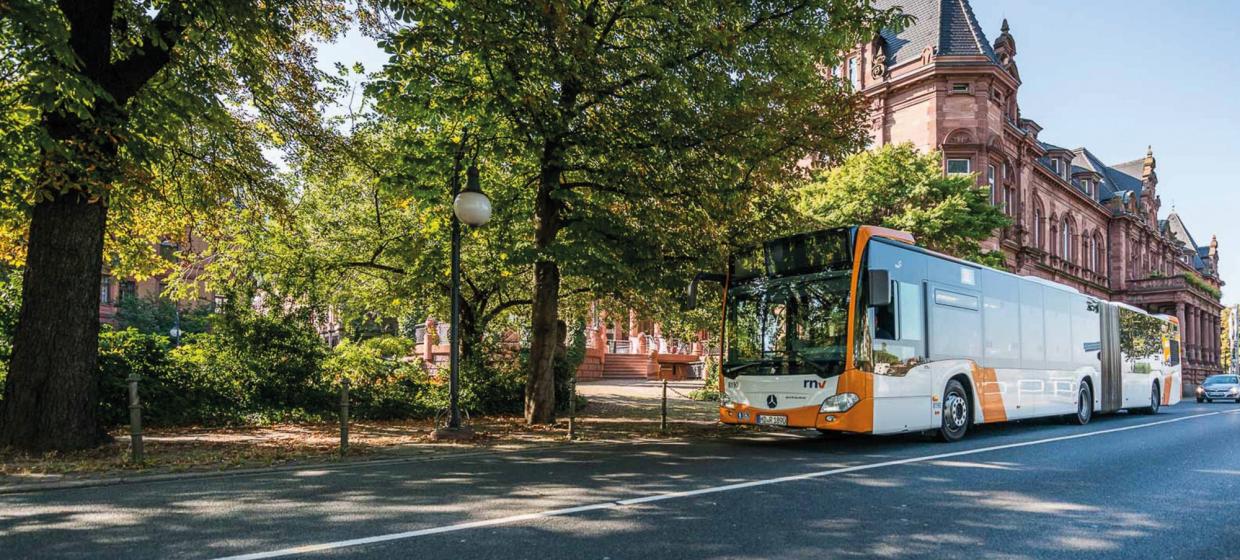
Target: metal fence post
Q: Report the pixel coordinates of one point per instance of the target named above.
(135, 421)
(344, 417)
(663, 416)
(572, 407)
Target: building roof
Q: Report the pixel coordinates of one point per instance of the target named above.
(948, 26)
(1179, 232)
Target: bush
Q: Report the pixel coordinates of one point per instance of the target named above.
(384, 382)
(491, 383)
(710, 387)
(252, 368)
(277, 360)
(173, 390)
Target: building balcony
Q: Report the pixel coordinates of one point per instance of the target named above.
(1154, 285)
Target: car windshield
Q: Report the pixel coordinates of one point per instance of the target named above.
(793, 325)
(1222, 380)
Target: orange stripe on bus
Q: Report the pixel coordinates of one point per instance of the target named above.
(992, 401)
(1166, 390)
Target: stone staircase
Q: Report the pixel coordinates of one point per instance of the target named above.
(626, 366)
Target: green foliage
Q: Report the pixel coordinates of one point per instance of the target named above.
(1225, 347)
(169, 125)
(898, 187)
(173, 388)
(1197, 282)
(566, 364)
(662, 126)
(641, 137)
(710, 387)
(158, 315)
(10, 306)
(275, 357)
(384, 382)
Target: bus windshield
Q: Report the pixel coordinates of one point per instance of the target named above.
(793, 325)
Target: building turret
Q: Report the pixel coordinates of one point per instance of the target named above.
(1005, 50)
(1213, 254)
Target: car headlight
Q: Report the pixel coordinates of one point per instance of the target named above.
(839, 403)
(1233, 391)
(1201, 389)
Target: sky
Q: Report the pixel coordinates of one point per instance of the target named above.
(1113, 76)
(1117, 75)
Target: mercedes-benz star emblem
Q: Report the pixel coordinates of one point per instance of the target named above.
(771, 401)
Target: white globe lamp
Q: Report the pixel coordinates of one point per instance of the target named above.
(471, 206)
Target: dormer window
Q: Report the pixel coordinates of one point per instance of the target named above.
(1087, 186)
(1055, 165)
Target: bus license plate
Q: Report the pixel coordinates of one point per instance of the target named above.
(768, 420)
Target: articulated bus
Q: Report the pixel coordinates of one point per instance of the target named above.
(860, 330)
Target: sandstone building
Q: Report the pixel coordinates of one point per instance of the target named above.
(941, 85)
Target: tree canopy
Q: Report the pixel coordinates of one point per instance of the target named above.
(128, 122)
(640, 129)
(897, 186)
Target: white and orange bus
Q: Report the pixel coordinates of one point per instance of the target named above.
(859, 330)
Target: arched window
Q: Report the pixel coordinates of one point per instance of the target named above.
(1100, 261)
(1065, 244)
(1037, 227)
(1052, 245)
(1092, 251)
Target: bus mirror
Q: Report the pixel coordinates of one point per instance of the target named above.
(879, 288)
(691, 291)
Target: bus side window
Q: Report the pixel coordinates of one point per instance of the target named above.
(898, 328)
(885, 319)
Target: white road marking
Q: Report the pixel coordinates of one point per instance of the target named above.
(689, 493)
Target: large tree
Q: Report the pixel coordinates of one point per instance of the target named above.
(897, 186)
(120, 115)
(646, 125)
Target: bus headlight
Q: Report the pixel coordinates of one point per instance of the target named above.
(839, 403)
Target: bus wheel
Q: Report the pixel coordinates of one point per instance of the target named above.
(1155, 400)
(956, 413)
(1084, 405)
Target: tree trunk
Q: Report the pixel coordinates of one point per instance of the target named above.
(52, 392)
(540, 386)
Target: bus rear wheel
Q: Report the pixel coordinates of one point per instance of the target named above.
(956, 413)
(1155, 400)
(1084, 405)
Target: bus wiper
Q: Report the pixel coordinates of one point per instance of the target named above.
(734, 370)
(819, 369)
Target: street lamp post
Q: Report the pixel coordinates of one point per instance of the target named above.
(473, 208)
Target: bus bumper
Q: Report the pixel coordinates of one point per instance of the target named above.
(858, 419)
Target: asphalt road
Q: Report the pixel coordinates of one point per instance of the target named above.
(1164, 486)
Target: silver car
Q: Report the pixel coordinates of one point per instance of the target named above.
(1220, 387)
